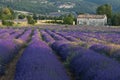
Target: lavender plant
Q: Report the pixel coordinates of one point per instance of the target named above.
(38, 62)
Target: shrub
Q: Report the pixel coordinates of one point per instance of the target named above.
(7, 23)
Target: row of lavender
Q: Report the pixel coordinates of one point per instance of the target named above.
(11, 41)
(84, 63)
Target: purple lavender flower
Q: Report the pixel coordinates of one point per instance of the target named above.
(8, 49)
(100, 48)
(90, 65)
(47, 37)
(55, 36)
(38, 62)
(26, 35)
(87, 64)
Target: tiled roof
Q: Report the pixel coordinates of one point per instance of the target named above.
(88, 16)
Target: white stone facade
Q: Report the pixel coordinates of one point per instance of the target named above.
(92, 20)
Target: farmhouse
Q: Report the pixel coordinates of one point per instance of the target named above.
(92, 20)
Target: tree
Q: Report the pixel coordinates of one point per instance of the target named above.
(35, 17)
(21, 16)
(31, 20)
(7, 14)
(68, 19)
(105, 9)
(116, 19)
(6, 11)
(7, 23)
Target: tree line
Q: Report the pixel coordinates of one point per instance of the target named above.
(7, 17)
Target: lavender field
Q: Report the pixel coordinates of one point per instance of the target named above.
(60, 53)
